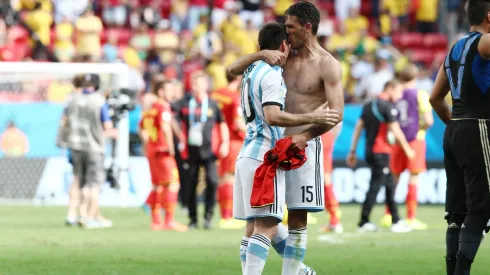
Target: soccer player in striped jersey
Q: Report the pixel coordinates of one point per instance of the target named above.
(262, 99)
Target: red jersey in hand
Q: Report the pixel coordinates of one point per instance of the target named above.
(152, 121)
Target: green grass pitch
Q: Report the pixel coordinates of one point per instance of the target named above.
(33, 240)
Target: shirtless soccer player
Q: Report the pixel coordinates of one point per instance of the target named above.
(263, 96)
(312, 77)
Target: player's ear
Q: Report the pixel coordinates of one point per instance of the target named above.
(308, 27)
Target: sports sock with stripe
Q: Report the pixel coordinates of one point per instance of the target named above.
(411, 201)
(257, 253)
(225, 200)
(243, 252)
(294, 253)
(169, 201)
(279, 244)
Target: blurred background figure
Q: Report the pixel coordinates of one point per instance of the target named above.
(207, 138)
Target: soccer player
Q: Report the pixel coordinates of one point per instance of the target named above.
(263, 96)
(378, 117)
(331, 203)
(466, 73)
(156, 135)
(414, 116)
(313, 76)
(228, 100)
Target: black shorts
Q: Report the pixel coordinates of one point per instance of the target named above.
(467, 163)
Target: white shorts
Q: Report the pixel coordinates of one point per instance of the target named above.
(244, 178)
(304, 186)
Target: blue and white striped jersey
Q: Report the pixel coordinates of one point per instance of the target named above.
(262, 85)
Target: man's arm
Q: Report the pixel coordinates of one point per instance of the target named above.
(351, 156)
(441, 89)
(425, 109)
(394, 127)
(242, 63)
(322, 115)
(167, 131)
(332, 80)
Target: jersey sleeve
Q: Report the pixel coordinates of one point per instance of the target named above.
(219, 114)
(166, 114)
(388, 111)
(423, 101)
(273, 89)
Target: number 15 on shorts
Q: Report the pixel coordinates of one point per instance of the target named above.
(307, 193)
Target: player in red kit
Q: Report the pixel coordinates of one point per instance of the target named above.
(228, 100)
(157, 137)
(331, 203)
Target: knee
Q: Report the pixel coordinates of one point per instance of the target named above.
(266, 226)
(328, 178)
(297, 219)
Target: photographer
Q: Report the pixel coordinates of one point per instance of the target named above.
(87, 126)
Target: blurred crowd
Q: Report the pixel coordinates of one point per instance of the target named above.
(373, 39)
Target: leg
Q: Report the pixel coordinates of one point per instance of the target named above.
(74, 202)
(304, 193)
(372, 193)
(331, 203)
(249, 229)
(398, 164)
(191, 193)
(415, 166)
(390, 187)
(95, 178)
(259, 244)
(211, 185)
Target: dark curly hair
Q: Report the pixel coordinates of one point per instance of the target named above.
(306, 13)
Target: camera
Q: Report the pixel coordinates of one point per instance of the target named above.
(119, 102)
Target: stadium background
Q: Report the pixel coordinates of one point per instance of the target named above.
(176, 43)
(177, 38)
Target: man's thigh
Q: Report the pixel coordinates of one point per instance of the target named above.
(95, 174)
(79, 165)
(244, 180)
(304, 186)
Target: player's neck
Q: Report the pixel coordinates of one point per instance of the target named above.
(410, 85)
(310, 48)
(233, 87)
(480, 29)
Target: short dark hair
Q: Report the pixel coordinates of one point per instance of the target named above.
(306, 13)
(477, 11)
(271, 36)
(230, 77)
(391, 84)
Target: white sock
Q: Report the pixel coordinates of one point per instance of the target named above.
(294, 253)
(243, 252)
(279, 244)
(257, 253)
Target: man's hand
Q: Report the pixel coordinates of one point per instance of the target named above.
(224, 149)
(299, 142)
(351, 159)
(325, 115)
(409, 152)
(273, 57)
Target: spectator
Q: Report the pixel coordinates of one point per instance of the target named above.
(219, 12)
(355, 23)
(64, 48)
(39, 21)
(29, 5)
(141, 41)
(134, 14)
(371, 86)
(166, 41)
(201, 117)
(114, 12)
(453, 8)
(426, 14)
(341, 40)
(217, 71)
(326, 26)
(3, 32)
(280, 7)
(89, 27)
(424, 80)
(196, 9)
(151, 14)
(366, 43)
(362, 68)
(70, 9)
(342, 8)
(136, 80)
(178, 15)
(110, 50)
(251, 11)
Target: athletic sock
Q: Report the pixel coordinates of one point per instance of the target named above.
(279, 244)
(243, 252)
(470, 238)
(331, 204)
(225, 200)
(452, 246)
(156, 207)
(294, 253)
(411, 201)
(257, 253)
(151, 198)
(169, 201)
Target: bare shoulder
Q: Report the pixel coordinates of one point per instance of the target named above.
(329, 66)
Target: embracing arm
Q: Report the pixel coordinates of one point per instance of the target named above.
(439, 92)
(242, 63)
(275, 117)
(332, 81)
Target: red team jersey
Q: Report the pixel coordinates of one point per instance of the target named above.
(229, 103)
(163, 167)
